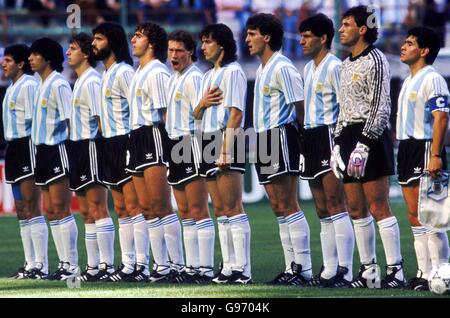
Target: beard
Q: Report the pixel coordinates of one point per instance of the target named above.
(102, 54)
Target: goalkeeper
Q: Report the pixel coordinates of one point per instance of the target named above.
(363, 153)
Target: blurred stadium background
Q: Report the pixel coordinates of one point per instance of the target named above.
(26, 20)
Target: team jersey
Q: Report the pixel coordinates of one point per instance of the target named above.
(421, 95)
(278, 85)
(114, 93)
(322, 92)
(51, 110)
(85, 106)
(232, 82)
(365, 94)
(184, 89)
(18, 107)
(148, 94)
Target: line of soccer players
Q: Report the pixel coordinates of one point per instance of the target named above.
(137, 132)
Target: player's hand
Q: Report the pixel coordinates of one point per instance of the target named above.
(336, 162)
(224, 161)
(358, 159)
(212, 97)
(435, 166)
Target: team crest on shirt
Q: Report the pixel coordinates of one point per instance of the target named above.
(11, 104)
(44, 102)
(319, 87)
(266, 90)
(108, 92)
(178, 96)
(76, 102)
(355, 77)
(139, 92)
(412, 96)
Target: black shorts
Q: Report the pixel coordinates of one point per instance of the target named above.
(114, 160)
(184, 160)
(51, 163)
(412, 159)
(315, 152)
(211, 146)
(283, 159)
(84, 157)
(381, 154)
(148, 146)
(19, 160)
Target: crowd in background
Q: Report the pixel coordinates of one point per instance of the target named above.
(395, 16)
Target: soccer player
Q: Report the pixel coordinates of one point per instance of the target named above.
(111, 47)
(19, 160)
(189, 188)
(49, 132)
(322, 81)
(363, 153)
(422, 120)
(148, 151)
(221, 108)
(84, 157)
(277, 106)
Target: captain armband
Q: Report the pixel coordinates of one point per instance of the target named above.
(439, 103)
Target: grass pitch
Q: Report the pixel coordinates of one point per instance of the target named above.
(267, 261)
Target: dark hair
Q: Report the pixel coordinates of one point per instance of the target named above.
(117, 40)
(222, 34)
(187, 39)
(157, 37)
(362, 15)
(319, 25)
(20, 53)
(51, 51)
(427, 38)
(84, 41)
(268, 24)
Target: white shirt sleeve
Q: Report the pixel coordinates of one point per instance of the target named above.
(291, 84)
(63, 100)
(235, 90)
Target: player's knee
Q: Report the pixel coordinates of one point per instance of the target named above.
(198, 213)
(322, 213)
(380, 210)
(335, 203)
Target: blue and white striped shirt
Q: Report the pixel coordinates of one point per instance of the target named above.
(184, 90)
(18, 107)
(322, 92)
(148, 94)
(278, 85)
(232, 81)
(415, 103)
(115, 110)
(85, 106)
(50, 111)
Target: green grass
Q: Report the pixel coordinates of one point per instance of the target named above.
(267, 261)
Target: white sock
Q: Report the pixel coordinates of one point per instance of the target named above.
(345, 241)
(191, 245)
(172, 234)
(286, 244)
(299, 233)
(158, 244)
(365, 239)
(240, 230)
(390, 236)
(27, 242)
(56, 234)
(126, 239)
(141, 241)
(421, 249)
(438, 247)
(93, 254)
(39, 235)
(206, 235)
(69, 237)
(226, 244)
(105, 240)
(329, 251)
